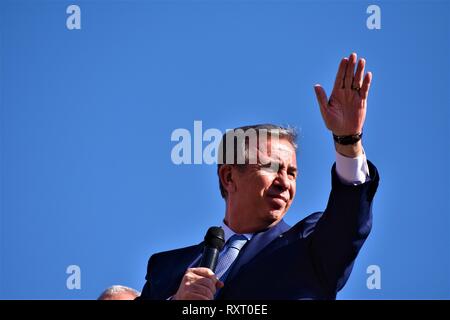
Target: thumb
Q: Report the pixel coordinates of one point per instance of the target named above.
(322, 99)
(321, 96)
(219, 284)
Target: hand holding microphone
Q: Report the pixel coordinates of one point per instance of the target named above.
(201, 283)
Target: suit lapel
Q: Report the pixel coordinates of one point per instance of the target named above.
(258, 242)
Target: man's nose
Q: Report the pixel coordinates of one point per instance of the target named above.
(282, 181)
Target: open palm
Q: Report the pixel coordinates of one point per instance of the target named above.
(344, 113)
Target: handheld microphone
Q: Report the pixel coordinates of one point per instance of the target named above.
(214, 242)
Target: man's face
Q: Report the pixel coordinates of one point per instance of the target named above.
(265, 191)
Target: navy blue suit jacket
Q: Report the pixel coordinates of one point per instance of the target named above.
(311, 260)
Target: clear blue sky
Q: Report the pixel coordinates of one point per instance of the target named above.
(87, 115)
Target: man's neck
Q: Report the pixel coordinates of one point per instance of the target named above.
(230, 232)
(245, 227)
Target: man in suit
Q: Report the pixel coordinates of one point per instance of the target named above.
(263, 257)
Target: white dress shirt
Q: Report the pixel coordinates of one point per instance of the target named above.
(352, 171)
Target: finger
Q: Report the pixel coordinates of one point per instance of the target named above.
(322, 99)
(339, 81)
(349, 71)
(357, 80)
(364, 92)
(219, 284)
(204, 272)
(196, 296)
(202, 291)
(207, 283)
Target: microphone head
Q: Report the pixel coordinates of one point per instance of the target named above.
(215, 238)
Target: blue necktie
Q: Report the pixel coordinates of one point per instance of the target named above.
(234, 245)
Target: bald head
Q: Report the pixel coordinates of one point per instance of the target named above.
(119, 293)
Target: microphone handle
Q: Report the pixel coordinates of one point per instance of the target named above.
(209, 258)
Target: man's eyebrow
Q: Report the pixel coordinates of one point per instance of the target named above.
(292, 168)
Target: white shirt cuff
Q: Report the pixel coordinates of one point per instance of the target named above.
(352, 171)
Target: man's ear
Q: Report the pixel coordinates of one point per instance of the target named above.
(227, 176)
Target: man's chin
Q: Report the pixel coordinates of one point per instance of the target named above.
(275, 215)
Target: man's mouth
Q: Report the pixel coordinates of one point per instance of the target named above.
(278, 198)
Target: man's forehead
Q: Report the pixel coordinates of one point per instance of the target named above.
(284, 147)
(278, 150)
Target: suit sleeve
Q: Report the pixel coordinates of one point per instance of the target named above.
(341, 231)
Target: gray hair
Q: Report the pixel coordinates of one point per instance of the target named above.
(242, 137)
(113, 290)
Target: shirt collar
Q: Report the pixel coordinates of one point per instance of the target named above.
(229, 233)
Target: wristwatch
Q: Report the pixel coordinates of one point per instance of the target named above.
(347, 140)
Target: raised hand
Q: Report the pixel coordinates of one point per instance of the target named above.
(344, 113)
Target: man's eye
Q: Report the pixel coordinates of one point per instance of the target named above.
(270, 167)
